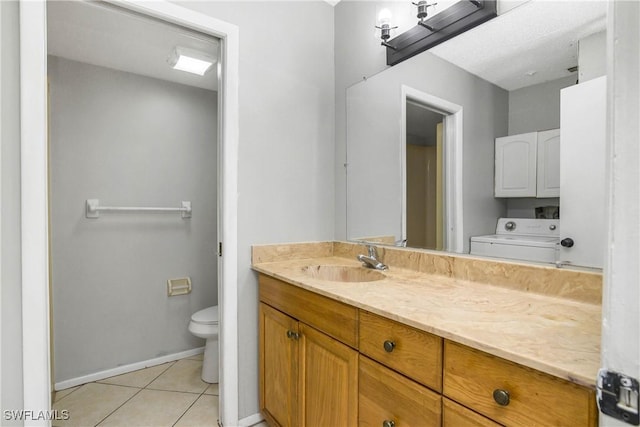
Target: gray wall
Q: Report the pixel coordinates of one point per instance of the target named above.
(286, 153)
(592, 58)
(485, 106)
(537, 107)
(11, 288)
(128, 140)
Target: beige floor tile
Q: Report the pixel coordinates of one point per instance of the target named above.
(196, 357)
(151, 408)
(140, 378)
(212, 389)
(203, 413)
(62, 393)
(91, 403)
(184, 375)
(261, 424)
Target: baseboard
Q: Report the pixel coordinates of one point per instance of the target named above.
(125, 369)
(251, 420)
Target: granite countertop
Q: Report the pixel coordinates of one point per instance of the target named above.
(553, 334)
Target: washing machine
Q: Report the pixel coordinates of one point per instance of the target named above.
(524, 239)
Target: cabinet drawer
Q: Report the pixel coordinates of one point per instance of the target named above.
(415, 353)
(329, 316)
(454, 415)
(384, 395)
(535, 398)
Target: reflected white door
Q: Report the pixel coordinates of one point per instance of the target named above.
(582, 173)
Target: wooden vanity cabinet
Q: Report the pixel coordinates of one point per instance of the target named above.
(307, 377)
(323, 362)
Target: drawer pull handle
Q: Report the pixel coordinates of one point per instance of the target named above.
(388, 423)
(293, 335)
(388, 347)
(501, 397)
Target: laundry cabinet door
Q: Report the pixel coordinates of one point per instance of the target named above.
(516, 165)
(548, 175)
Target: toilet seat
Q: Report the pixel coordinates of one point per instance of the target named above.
(207, 316)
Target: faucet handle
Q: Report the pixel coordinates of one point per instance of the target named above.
(373, 252)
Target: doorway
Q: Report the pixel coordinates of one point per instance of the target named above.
(36, 380)
(431, 158)
(126, 129)
(425, 208)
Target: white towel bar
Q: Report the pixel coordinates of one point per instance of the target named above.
(93, 209)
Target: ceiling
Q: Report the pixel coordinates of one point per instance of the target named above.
(103, 35)
(529, 44)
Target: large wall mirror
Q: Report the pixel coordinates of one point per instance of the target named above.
(421, 135)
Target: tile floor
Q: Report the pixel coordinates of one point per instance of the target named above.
(171, 394)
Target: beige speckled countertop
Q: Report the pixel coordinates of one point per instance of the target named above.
(541, 317)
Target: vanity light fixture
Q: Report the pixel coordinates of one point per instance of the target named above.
(384, 25)
(422, 6)
(450, 22)
(190, 60)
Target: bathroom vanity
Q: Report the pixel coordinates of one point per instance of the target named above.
(435, 340)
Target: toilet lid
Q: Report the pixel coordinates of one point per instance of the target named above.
(208, 316)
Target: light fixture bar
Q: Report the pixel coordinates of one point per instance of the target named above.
(447, 24)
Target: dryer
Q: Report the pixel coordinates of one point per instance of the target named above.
(524, 239)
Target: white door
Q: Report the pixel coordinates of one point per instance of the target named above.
(582, 173)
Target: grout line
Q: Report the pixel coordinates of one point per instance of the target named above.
(67, 395)
(160, 374)
(123, 403)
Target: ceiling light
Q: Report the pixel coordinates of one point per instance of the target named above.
(190, 60)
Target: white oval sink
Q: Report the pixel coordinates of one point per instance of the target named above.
(343, 273)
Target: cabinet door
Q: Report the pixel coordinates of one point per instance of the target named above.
(328, 380)
(278, 367)
(583, 119)
(515, 168)
(548, 175)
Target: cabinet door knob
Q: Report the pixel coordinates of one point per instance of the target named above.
(293, 335)
(388, 423)
(501, 397)
(389, 346)
(567, 242)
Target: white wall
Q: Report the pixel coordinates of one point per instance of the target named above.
(286, 147)
(11, 288)
(128, 140)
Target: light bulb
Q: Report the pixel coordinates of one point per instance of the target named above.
(384, 17)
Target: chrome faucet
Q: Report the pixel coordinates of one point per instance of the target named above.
(372, 260)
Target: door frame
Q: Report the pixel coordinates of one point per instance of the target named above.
(34, 203)
(452, 153)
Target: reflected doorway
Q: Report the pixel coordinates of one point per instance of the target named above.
(424, 177)
(432, 194)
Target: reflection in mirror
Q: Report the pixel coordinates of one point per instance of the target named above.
(507, 76)
(424, 177)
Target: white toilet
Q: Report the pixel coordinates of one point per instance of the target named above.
(204, 324)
